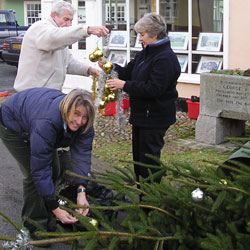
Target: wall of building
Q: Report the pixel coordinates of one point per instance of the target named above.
(18, 6)
(1, 4)
(239, 34)
(186, 90)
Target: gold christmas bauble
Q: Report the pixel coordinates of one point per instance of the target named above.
(94, 222)
(92, 58)
(111, 97)
(102, 104)
(98, 54)
(223, 181)
(107, 67)
(106, 92)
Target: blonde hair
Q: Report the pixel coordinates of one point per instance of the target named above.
(72, 100)
(153, 24)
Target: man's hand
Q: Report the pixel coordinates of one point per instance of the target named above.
(93, 71)
(64, 216)
(99, 31)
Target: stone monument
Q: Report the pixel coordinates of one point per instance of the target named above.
(224, 107)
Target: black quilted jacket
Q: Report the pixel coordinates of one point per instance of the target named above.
(151, 80)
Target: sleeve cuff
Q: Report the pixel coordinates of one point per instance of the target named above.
(51, 204)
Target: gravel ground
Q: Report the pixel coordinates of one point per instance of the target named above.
(106, 127)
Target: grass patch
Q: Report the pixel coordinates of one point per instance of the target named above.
(112, 144)
(194, 157)
(113, 152)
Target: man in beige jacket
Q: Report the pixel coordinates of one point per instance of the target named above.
(45, 58)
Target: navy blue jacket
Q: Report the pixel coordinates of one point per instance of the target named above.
(34, 114)
(151, 80)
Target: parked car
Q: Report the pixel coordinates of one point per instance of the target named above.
(12, 48)
(9, 26)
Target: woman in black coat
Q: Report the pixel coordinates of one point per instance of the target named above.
(150, 80)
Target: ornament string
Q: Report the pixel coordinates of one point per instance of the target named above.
(100, 92)
(21, 243)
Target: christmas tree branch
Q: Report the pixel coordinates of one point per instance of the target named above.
(135, 189)
(159, 209)
(64, 237)
(35, 224)
(53, 241)
(236, 170)
(188, 183)
(129, 235)
(207, 186)
(238, 190)
(87, 178)
(121, 207)
(198, 206)
(15, 225)
(161, 167)
(7, 238)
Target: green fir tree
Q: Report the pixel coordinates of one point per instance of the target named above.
(191, 208)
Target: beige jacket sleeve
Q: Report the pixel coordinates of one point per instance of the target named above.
(45, 58)
(50, 37)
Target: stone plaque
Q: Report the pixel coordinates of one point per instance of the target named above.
(224, 107)
(225, 96)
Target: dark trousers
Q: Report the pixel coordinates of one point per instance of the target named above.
(34, 205)
(146, 141)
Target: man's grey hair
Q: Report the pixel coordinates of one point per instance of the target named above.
(153, 24)
(60, 6)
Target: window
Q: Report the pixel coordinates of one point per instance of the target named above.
(169, 9)
(81, 19)
(3, 19)
(115, 12)
(196, 17)
(190, 17)
(32, 12)
(81, 11)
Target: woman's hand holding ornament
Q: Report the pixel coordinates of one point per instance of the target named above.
(115, 84)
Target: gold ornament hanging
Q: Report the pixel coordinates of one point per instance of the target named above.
(107, 67)
(93, 88)
(107, 94)
(96, 55)
(92, 58)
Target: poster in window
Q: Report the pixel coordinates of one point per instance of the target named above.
(118, 57)
(183, 60)
(209, 41)
(178, 40)
(118, 38)
(207, 64)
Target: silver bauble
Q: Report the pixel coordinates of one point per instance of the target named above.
(197, 195)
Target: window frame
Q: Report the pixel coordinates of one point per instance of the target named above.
(26, 23)
(115, 6)
(188, 76)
